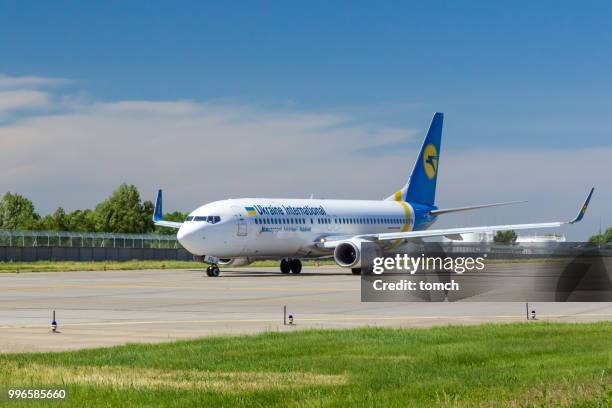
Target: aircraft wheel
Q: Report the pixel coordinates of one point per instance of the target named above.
(295, 265)
(214, 271)
(284, 266)
(356, 271)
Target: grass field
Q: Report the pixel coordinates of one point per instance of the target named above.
(66, 266)
(526, 364)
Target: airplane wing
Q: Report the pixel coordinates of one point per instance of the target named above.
(332, 242)
(158, 214)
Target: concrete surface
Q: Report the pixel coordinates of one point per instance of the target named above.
(115, 307)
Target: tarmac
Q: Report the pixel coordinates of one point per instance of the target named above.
(107, 308)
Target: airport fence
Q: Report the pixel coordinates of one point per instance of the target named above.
(29, 246)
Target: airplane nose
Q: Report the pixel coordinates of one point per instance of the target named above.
(188, 237)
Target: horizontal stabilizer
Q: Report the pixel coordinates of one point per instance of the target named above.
(473, 207)
(169, 224)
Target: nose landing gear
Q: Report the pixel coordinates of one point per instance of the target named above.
(291, 265)
(213, 271)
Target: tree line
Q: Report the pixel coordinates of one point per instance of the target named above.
(122, 212)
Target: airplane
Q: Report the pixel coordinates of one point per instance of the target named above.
(240, 231)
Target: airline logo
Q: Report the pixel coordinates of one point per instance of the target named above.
(250, 210)
(430, 161)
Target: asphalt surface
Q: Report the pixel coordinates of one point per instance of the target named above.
(116, 307)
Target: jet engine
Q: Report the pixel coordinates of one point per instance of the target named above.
(347, 254)
(236, 261)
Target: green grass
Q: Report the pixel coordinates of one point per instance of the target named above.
(523, 364)
(64, 266)
(61, 266)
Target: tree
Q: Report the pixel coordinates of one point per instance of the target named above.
(506, 237)
(602, 238)
(81, 221)
(123, 212)
(147, 214)
(17, 213)
(57, 221)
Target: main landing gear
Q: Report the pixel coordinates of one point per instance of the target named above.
(356, 271)
(213, 271)
(291, 265)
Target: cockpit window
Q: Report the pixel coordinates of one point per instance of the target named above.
(211, 219)
(190, 218)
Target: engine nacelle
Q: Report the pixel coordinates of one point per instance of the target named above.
(236, 261)
(347, 254)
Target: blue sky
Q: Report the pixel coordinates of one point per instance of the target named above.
(510, 76)
(508, 73)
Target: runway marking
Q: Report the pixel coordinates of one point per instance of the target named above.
(305, 319)
(102, 286)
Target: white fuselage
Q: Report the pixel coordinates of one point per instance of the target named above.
(264, 227)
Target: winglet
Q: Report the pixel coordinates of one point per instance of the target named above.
(583, 209)
(158, 213)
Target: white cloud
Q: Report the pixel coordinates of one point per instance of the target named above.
(29, 82)
(22, 99)
(197, 151)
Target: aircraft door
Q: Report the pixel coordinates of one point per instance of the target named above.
(241, 238)
(241, 221)
(242, 226)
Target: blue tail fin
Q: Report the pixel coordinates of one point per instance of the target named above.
(422, 182)
(158, 212)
